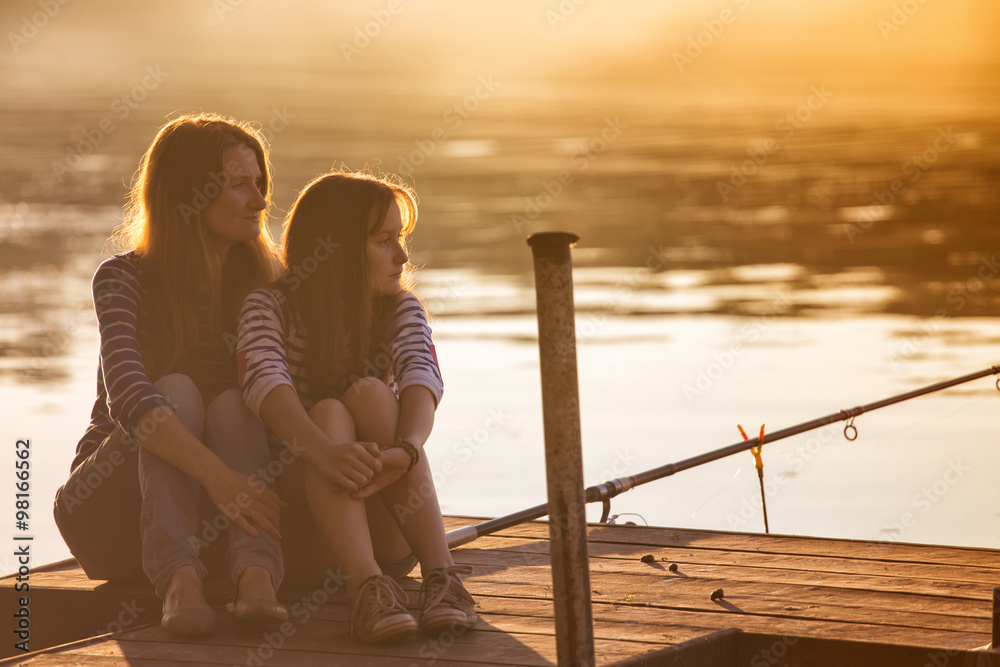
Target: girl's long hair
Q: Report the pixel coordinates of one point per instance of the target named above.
(179, 176)
(327, 282)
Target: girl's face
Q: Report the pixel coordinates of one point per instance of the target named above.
(386, 256)
(234, 215)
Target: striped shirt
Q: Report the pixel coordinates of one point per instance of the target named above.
(271, 349)
(124, 390)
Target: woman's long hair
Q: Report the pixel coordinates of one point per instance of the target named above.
(327, 280)
(180, 175)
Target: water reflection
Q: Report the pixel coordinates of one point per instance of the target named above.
(690, 203)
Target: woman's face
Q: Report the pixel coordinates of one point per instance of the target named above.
(234, 215)
(386, 256)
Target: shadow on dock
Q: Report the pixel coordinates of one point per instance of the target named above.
(787, 601)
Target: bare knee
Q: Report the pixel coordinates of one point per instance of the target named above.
(329, 409)
(334, 419)
(367, 390)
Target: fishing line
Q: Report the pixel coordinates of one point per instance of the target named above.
(924, 421)
(719, 492)
(612, 488)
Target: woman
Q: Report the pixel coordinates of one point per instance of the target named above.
(336, 358)
(168, 421)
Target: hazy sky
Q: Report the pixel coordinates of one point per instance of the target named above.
(87, 42)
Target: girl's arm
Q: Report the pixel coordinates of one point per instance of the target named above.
(348, 465)
(270, 393)
(416, 415)
(144, 413)
(415, 368)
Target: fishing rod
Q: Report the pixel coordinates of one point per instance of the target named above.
(608, 490)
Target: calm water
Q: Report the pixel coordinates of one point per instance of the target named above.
(716, 214)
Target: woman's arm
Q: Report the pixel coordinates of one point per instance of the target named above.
(144, 413)
(237, 496)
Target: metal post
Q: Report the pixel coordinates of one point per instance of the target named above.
(563, 455)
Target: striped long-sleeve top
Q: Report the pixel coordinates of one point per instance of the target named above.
(271, 349)
(124, 390)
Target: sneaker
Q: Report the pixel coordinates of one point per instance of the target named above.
(444, 602)
(379, 612)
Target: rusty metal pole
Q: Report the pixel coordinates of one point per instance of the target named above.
(563, 455)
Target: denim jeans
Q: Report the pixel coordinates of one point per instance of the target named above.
(124, 505)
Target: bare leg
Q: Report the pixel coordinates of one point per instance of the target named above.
(411, 501)
(342, 520)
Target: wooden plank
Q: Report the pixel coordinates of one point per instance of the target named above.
(666, 618)
(750, 598)
(321, 635)
(932, 572)
(775, 543)
(472, 649)
(674, 624)
(899, 594)
(758, 573)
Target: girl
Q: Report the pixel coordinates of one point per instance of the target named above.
(168, 421)
(336, 358)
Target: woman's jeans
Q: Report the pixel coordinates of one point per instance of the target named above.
(123, 505)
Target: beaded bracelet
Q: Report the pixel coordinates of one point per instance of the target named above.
(409, 448)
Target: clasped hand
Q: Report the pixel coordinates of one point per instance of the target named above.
(360, 468)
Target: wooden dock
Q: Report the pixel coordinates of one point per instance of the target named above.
(787, 601)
